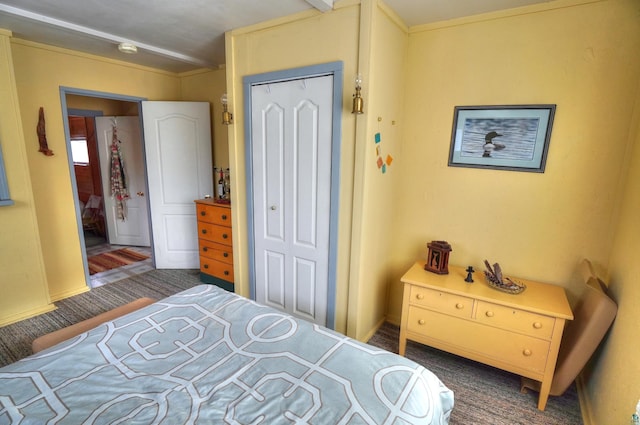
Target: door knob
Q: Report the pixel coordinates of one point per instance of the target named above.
(272, 208)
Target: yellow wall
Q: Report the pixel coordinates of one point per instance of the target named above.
(22, 276)
(42, 185)
(208, 86)
(584, 58)
(614, 383)
(384, 61)
(315, 38)
(40, 71)
(109, 107)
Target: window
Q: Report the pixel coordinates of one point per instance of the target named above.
(4, 185)
(79, 151)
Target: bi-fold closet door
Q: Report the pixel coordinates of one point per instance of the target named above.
(291, 149)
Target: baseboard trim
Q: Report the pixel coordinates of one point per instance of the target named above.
(27, 314)
(67, 294)
(585, 403)
(375, 329)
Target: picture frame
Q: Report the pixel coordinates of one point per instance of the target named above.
(505, 137)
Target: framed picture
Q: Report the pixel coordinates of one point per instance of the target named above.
(512, 137)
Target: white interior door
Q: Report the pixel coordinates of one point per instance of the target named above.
(291, 150)
(179, 168)
(134, 229)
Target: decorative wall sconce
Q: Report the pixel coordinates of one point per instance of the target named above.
(358, 102)
(227, 117)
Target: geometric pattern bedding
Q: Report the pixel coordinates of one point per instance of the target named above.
(207, 356)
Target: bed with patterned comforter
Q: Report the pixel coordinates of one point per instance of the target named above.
(207, 356)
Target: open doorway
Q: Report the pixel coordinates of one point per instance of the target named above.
(175, 164)
(110, 254)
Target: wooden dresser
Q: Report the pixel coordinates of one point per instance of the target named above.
(518, 333)
(216, 243)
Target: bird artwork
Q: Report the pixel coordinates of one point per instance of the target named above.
(490, 145)
(42, 136)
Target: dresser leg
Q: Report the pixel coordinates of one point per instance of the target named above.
(402, 344)
(544, 394)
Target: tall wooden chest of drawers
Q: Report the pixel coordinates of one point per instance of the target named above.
(216, 243)
(517, 333)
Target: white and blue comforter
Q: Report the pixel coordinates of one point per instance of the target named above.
(206, 356)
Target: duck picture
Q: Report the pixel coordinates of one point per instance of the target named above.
(490, 145)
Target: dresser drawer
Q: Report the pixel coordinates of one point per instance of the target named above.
(444, 302)
(215, 233)
(515, 320)
(216, 268)
(213, 214)
(512, 349)
(216, 251)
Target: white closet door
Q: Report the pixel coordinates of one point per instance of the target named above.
(291, 147)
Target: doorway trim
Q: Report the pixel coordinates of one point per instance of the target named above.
(336, 70)
(64, 91)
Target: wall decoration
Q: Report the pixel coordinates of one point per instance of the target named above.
(118, 177)
(382, 162)
(42, 135)
(512, 137)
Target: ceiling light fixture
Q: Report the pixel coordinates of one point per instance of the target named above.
(128, 48)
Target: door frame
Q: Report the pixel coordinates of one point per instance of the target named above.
(64, 91)
(336, 70)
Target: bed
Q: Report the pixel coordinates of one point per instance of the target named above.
(207, 356)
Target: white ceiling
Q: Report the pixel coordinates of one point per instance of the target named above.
(182, 35)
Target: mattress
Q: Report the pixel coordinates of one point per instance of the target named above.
(207, 356)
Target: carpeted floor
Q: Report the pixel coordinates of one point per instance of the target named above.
(15, 339)
(483, 395)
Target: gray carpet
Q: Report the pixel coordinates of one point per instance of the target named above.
(15, 339)
(483, 395)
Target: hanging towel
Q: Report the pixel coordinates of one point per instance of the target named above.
(118, 177)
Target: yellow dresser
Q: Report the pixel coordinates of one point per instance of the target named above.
(517, 333)
(216, 243)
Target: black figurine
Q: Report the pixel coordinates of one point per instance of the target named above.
(469, 277)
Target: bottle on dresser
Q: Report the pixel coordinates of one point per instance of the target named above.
(221, 186)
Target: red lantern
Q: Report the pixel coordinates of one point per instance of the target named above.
(438, 257)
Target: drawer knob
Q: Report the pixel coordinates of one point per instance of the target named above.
(537, 325)
(204, 231)
(224, 216)
(226, 272)
(225, 255)
(459, 306)
(206, 266)
(421, 322)
(205, 249)
(526, 352)
(225, 236)
(203, 213)
(420, 296)
(489, 314)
